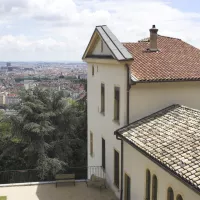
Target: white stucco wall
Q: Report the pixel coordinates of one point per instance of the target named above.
(147, 98)
(136, 164)
(103, 125)
(97, 49)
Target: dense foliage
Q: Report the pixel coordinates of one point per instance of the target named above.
(47, 133)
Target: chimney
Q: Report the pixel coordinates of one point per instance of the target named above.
(153, 38)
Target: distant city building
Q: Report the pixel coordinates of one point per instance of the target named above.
(12, 99)
(2, 99)
(8, 64)
(29, 84)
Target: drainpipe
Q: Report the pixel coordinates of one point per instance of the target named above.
(127, 121)
(127, 92)
(122, 170)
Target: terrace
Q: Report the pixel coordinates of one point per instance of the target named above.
(25, 189)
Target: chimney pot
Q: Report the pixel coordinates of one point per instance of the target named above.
(153, 38)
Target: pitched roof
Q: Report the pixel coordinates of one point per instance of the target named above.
(175, 60)
(170, 137)
(115, 46)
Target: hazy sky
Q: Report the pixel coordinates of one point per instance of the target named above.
(59, 30)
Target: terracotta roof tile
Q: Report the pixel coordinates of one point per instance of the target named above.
(164, 138)
(175, 60)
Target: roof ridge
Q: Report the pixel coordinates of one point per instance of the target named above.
(158, 112)
(147, 116)
(146, 39)
(169, 37)
(189, 108)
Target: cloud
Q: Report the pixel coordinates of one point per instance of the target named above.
(61, 29)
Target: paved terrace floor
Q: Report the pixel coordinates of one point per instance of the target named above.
(50, 192)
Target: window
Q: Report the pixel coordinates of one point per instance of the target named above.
(170, 194)
(91, 144)
(116, 168)
(154, 187)
(102, 98)
(103, 154)
(148, 184)
(127, 190)
(179, 197)
(92, 70)
(101, 45)
(116, 103)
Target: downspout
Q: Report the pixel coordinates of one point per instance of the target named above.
(127, 121)
(118, 138)
(122, 169)
(127, 96)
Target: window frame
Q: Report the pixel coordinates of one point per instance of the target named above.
(154, 187)
(117, 107)
(147, 185)
(91, 144)
(179, 197)
(169, 191)
(103, 153)
(127, 191)
(103, 98)
(92, 70)
(116, 179)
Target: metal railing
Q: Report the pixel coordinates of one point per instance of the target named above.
(19, 176)
(32, 175)
(97, 171)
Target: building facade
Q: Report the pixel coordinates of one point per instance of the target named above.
(127, 82)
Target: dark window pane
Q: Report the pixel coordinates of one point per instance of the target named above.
(116, 168)
(92, 70)
(179, 197)
(102, 98)
(116, 103)
(170, 194)
(148, 184)
(127, 187)
(154, 188)
(91, 143)
(103, 154)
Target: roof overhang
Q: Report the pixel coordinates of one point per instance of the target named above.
(119, 52)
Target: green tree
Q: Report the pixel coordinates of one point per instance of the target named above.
(48, 134)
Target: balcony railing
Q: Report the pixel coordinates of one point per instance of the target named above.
(97, 171)
(32, 175)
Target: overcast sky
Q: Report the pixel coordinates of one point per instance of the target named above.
(59, 30)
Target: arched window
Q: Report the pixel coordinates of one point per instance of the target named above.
(179, 197)
(154, 187)
(170, 194)
(148, 184)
